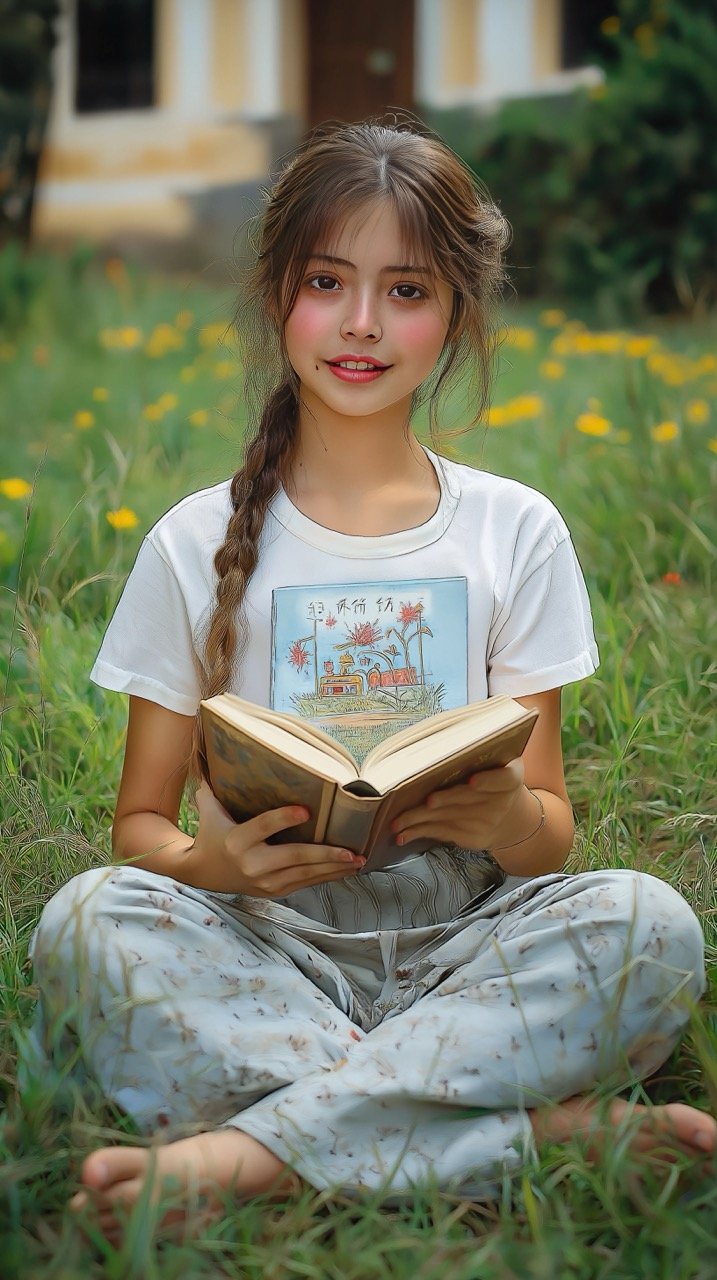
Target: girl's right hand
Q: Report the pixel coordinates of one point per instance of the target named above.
(234, 857)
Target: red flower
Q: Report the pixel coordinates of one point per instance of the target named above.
(298, 657)
(410, 613)
(672, 579)
(330, 621)
(366, 633)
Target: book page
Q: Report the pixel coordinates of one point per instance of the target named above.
(230, 704)
(481, 714)
(466, 738)
(280, 736)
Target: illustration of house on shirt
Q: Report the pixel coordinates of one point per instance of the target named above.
(363, 660)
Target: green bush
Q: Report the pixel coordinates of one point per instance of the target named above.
(612, 192)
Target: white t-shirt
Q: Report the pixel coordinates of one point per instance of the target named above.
(485, 597)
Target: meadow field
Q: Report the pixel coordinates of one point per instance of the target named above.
(119, 393)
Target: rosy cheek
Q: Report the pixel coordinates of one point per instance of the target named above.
(305, 322)
(424, 334)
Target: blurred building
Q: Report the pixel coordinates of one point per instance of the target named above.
(168, 115)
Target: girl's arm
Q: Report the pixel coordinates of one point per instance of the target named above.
(225, 856)
(154, 772)
(495, 810)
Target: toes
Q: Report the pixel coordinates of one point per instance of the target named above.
(113, 1164)
(686, 1126)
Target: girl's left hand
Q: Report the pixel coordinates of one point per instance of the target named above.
(470, 815)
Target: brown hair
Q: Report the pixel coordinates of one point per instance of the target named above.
(443, 212)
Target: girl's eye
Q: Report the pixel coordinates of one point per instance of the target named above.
(409, 292)
(327, 284)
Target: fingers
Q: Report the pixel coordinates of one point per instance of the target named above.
(258, 830)
(463, 812)
(274, 870)
(291, 879)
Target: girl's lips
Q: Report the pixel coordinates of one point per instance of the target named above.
(370, 374)
(358, 375)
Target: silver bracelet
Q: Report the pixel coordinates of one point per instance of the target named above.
(523, 839)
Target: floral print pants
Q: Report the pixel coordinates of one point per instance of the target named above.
(391, 1033)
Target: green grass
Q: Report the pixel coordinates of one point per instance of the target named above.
(639, 744)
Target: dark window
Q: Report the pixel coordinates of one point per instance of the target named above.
(115, 54)
(581, 30)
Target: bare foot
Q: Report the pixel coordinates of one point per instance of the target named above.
(657, 1133)
(190, 1175)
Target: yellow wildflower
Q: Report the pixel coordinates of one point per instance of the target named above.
(127, 337)
(520, 338)
(199, 418)
(706, 364)
(610, 26)
(608, 344)
(553, 369)
(592, 424)
(210, 334)
(525, 407)
(528, 406)
(163, 338)
(664, 431)
(100, 393)
(15, 488)
(122, 518)
(697, 412)
(584, 343)
(496, 416)
(640, 345)
(712, 444)
(552, 318)
(130, 336)
(168, 401)
(188, 373)
(153, 412)
(84, 419)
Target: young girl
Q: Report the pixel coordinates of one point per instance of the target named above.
(290, 1016)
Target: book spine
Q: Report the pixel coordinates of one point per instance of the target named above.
(352, 821)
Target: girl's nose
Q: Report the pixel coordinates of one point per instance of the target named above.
(361, 321)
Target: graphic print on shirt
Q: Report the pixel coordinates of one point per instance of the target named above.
(363, 660)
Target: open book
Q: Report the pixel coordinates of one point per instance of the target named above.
(260, 759)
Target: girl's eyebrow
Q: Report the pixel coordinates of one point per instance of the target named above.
(395, 269)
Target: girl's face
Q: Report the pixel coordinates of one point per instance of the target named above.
(369, 322)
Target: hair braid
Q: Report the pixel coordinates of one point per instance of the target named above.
(252, 489)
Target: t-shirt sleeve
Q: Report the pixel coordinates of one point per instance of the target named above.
(542, 637)
(148, 647)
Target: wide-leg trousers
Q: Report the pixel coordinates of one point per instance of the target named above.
(361, 1038)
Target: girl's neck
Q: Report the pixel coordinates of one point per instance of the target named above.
(331, 450)
(365, 476)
